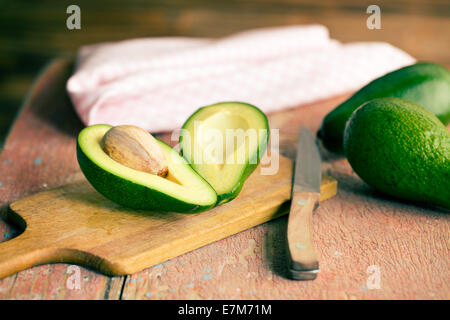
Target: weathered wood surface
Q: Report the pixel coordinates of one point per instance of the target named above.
(32, 32)
(357, 232)
(39, 154)
(75, 224)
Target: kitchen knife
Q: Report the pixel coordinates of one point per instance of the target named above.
(302, 257)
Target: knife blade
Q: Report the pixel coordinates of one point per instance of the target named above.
(302, 257)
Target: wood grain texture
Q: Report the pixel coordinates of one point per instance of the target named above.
(40, 154)
(75, 224)
(31, 33)
(302, 256)
(356, 229)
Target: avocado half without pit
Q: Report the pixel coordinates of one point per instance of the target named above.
(224, 143)
(179, 189)
(221, 146)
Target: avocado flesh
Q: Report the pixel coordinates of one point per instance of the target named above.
(426, 84)
(225, 168)
(401, 149)
(182, 190)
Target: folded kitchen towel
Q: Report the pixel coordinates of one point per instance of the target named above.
(156, 83)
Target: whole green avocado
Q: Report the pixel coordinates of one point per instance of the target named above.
(424, 83)
(401, 149)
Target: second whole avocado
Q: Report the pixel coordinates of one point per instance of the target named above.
(400, 149)
(426, 84)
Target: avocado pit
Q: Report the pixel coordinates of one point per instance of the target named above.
(135, 148)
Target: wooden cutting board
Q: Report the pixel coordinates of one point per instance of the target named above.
(75, 224)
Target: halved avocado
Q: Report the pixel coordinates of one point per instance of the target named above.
(224, 143)
(183, 190)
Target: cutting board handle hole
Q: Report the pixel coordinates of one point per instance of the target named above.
(15, 225)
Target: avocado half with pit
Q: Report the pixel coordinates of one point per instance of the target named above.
(224, 143)
(182, 190)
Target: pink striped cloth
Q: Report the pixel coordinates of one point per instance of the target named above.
(156, 83)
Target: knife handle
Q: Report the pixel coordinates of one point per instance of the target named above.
(302, 257)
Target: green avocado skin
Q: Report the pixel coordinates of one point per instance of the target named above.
(118, 190)
(424, 83)
(401, 149)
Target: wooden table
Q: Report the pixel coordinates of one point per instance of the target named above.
(361, 235)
